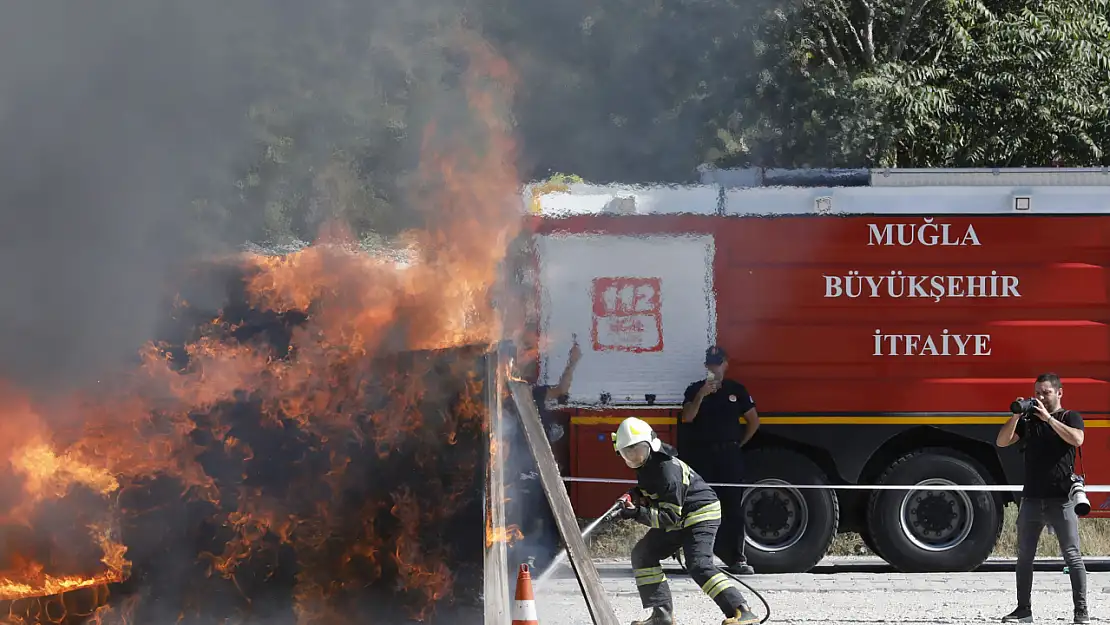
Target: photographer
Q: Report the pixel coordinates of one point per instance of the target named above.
(1051, 436)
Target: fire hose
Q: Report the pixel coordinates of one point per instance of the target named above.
(614, 512)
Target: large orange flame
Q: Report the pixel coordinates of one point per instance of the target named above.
(357, 305)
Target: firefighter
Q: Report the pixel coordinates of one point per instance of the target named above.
(682, 511)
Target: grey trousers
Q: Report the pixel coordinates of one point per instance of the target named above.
(1033, 515)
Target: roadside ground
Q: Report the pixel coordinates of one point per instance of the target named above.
(843, 590)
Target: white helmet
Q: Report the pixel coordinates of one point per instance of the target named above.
(634, 440)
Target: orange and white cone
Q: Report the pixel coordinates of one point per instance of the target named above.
(524, 608)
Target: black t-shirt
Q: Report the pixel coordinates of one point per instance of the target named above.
(539, 395)
(556, 424)
(1049, 459)
(718, 419)
(517, 441)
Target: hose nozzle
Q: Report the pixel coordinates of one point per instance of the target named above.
(613, 510)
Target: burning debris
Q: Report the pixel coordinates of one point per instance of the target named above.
(313, 451)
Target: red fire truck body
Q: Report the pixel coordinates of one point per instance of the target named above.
(883, 331)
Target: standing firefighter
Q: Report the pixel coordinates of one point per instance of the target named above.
(681, 510)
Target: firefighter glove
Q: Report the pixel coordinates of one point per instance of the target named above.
(629, 513)
(637, 496)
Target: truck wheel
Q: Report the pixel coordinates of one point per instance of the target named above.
(869, 542)
(929, 531)
(789, 530)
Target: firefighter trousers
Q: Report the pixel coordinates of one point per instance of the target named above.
(697, 544)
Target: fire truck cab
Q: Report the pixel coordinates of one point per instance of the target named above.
(883, 321)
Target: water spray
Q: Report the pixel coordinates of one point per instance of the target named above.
(561, 557)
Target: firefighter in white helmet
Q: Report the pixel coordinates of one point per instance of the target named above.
(682, 511)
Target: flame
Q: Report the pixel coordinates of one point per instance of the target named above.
(34, 582)
(507, 535)
(166, 418)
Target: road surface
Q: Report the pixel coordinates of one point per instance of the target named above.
(845, 595)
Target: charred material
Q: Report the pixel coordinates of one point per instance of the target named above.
(398, 534)
(357, 498)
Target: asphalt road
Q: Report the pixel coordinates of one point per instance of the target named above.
(846, 590)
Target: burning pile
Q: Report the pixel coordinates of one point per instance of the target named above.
(311, 453)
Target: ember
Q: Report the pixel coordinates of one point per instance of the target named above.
(312, 449)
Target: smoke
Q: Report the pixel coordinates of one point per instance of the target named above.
(138, 135)
(635, 92)
(107, 116)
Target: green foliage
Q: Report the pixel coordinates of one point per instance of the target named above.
(340, 93)
(931, 83)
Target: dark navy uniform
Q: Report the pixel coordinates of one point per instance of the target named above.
(712, 444)
(682, 511)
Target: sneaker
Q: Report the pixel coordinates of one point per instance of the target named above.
(743, 616)
(1020, 615)
(741, 568)
(659, 616)
(1081, 616)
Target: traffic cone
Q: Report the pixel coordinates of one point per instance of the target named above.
(524, 608)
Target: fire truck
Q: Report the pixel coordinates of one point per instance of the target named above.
(883, 320)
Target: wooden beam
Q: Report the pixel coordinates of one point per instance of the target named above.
(601, 611)
(495, 593)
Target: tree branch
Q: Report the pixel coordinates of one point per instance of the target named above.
(842, 11)
(837, 58)
(940, 50)
(828, 59)
(869, 36)
(912, 11)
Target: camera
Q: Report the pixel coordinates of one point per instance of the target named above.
(1023, 406)
(1078, 496)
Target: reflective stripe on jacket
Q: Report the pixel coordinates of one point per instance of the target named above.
(678, 496)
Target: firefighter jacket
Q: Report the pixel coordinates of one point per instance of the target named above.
(675, 495)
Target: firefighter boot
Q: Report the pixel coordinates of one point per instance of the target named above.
(743, 616)
(659, 616)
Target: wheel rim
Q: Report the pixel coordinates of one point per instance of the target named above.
(936, 520)
(775, 518)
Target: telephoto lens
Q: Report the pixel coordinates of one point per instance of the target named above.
(1078, 497)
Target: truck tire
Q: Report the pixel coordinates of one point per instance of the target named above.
(923, 531)
(789, 530)
(869, 542)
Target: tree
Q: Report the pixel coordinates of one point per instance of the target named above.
(928, 83)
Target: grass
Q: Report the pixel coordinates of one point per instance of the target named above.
(615, 539)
